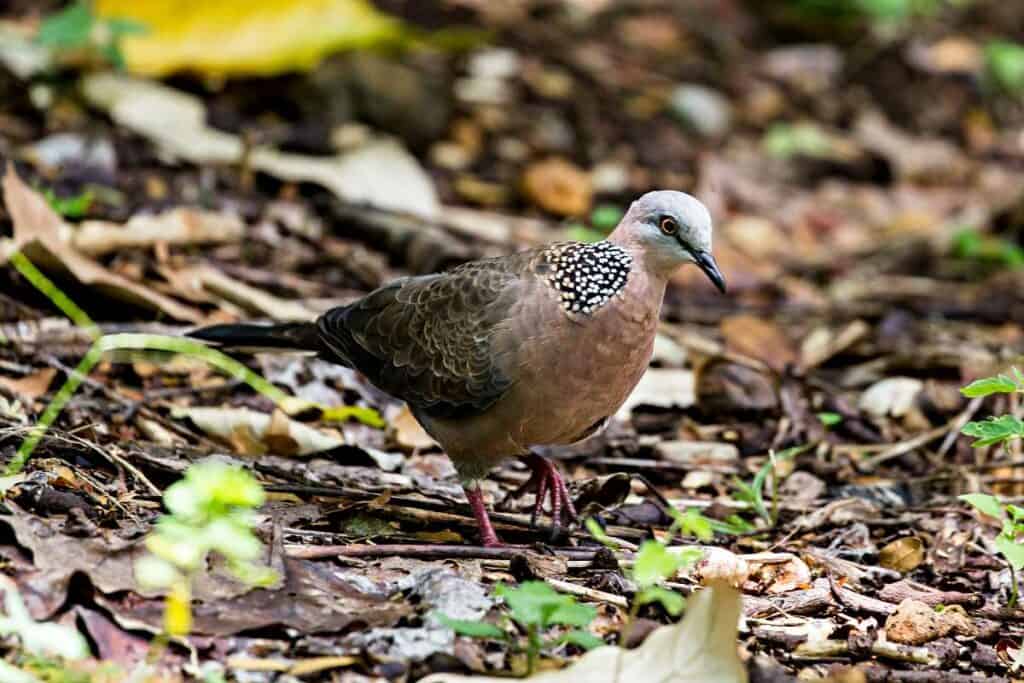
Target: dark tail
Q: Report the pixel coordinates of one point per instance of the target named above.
(298, 336)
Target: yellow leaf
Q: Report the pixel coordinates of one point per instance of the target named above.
(178, 609)
(250, 37)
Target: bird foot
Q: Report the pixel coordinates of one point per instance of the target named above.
(488, 536)
(548, 484)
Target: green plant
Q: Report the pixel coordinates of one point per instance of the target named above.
(753, 493)
(535, 607)
(1006, 543)
(77, 29)
(655, 563)
(1004, 63)
(69, 207)
(999, 429)
(969, 244)
(209, 510)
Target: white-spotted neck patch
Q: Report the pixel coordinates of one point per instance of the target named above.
(586, 276)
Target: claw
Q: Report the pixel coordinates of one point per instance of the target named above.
(548, 484)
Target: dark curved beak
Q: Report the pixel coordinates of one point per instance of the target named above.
(707, 263)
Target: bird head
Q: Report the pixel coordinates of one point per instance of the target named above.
(669, 229)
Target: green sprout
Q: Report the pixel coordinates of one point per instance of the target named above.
(753, 493)
(209, 510)
(1004, 62)
(1000, 429)
(534, 607)
(69, 207)
(77, 29)
(1006, 543)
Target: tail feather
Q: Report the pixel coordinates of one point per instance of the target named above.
(298, 336)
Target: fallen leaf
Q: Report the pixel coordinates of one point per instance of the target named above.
(904, 554)
(30, 387)
(37, 232)
(262, 37)
(758, 338)
(663, 388)
(777, 577)
(214, 282)
(558, 186)
(408, 432)
(252, 431)
(181, 225)
(380, 173)
(702, 648)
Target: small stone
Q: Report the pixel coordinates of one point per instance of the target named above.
(512, 149)
(451, 156)
(494, 63)
(915, 623)
(64, 148)
(552, 133)
(893, 396)
(477, 90)
(558, 186)
(610, 177)
(702, 109)
(551, 83)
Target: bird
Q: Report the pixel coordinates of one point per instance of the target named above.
(500, 356)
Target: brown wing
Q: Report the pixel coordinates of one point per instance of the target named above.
(431, 340)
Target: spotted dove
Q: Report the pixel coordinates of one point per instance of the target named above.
(499, 355)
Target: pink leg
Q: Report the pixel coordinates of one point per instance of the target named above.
(476, 501)
(548, 483)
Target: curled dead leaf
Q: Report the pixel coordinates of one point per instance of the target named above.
(904, 554)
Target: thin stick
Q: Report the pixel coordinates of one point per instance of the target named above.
(426, 551)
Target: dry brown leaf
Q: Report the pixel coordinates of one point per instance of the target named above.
(558, 186)
(37, 232)
(408, 432)
(758, 338)
(182, 225)
(252, 432)
(30, 387)
(903, 555)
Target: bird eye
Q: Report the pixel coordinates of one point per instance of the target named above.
(668, 226)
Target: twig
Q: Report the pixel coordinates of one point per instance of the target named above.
(427, 551)
(590, 593)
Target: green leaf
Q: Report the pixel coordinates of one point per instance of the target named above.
(994, 430)
(572, 613)
(183, 500)
(584, 639)
(654, 563)
(605, 217)
(69, 207)
(1005, 63)
(1000, 384)
(670, 600)
(154, 572)
(535, 603)
(231, 540)
(985, 503)
(69, 28)
(473, 629)
(830, 419)
(598, 532)
(693, 523)
(1011, 550)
